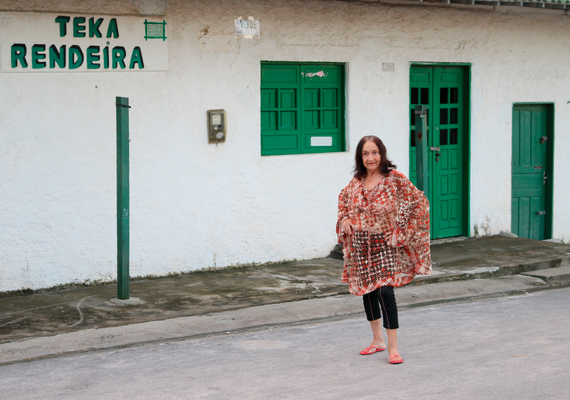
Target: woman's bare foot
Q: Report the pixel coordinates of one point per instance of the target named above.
(393, 350)
(394, 355)
(378, 342)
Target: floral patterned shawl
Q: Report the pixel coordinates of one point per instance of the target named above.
(390, 243)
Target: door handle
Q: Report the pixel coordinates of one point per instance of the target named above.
(541, 213)
(437, 155)
(544, 178)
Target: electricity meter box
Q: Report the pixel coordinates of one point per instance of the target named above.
(217, 126)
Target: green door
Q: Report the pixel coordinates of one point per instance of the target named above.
(445, 90)
(529, 213)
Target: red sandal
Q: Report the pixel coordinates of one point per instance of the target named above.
(392, 359)
(367, 351)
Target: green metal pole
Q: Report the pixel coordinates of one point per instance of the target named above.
(422, 149)
(122, 108)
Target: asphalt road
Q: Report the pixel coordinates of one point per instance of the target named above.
(514, 347)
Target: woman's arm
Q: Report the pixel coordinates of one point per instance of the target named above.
(413, 214)
(343, 224)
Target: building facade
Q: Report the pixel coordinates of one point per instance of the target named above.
(297, 99)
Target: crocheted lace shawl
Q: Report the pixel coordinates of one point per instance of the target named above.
(390, 244)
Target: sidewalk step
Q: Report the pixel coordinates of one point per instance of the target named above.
(552, 275)
(488, 257)
(337, 252)
(553, 266)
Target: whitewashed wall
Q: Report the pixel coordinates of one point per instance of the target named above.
(195, 205)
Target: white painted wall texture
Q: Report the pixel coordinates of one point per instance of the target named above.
(195, 205)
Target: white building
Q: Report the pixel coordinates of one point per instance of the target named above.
(298, 98)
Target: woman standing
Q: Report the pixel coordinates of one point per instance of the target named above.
(383, 225)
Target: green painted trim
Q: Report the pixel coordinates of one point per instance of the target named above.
(548, 103)
(548, 229)
(446, 64)
(468, 160)
(301, 62)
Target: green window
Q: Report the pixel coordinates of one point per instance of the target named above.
(302, 108)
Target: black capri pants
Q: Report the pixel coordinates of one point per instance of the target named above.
(382, 298)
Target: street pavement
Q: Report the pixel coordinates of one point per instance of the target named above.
(509, 348)
(78, 319)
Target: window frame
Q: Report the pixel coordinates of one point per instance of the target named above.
(286, 108)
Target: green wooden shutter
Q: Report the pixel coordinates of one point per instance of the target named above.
(302, 108)
(280, 132)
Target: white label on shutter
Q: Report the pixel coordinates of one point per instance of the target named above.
(321, 141)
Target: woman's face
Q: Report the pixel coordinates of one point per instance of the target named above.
(371, 157)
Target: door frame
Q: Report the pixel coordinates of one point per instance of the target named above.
(467, 157)
(549, 200)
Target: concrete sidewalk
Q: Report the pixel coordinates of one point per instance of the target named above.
(83, 318)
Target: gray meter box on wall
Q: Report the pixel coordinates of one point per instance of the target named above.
(217, 126)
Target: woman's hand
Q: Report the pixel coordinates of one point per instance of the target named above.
(347, 226)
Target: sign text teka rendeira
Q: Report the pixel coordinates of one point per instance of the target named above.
(94, 57)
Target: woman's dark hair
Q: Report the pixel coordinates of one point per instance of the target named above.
(385, 165)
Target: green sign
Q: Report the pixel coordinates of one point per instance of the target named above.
(38, 42)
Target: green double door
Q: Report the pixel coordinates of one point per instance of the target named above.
(530, 209)
(445, 91)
